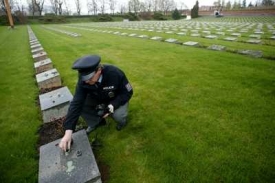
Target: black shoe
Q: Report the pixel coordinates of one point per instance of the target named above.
(119, 126)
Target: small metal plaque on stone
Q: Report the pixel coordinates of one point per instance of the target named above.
(76, 166)
(39, 56)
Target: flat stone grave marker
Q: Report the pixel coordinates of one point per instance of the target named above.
(220, 33)
(171, 40)
(236, 34)
(230, 39)
(273, 37)
(211, 37)
(43, 65)
(195, 35)
(181, 33)
(194, 31)
(77, 166)
(40, 56)
(132, 35)
(48, 79)
(55, 104)
(253, 53)
(217, 47)
(206, 32)
(116, 32)
(143, 36)
(35, 46)
(156, 38)
(169, 32)
(191, 43)
(37, 50)
(254, 41)
(34, 42)
(124, 34)
(255, 36)
(258, 32)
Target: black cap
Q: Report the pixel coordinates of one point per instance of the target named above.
(86, 66)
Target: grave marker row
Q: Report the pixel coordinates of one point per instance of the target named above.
(78, 165)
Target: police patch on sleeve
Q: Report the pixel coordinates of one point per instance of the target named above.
(128, 87)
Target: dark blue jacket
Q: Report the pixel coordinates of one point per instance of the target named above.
(114, 89)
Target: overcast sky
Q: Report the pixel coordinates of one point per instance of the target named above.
(188, 3)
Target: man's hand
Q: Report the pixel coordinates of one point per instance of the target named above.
(65, 143)
(110, 110)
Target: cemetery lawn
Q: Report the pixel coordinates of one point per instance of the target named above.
(196, 115)
(19, 114)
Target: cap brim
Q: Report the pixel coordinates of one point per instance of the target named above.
(88, 76)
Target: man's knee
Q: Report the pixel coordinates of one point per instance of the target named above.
(120, 114)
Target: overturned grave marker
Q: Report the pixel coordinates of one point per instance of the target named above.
(55, 104)
(77, 166)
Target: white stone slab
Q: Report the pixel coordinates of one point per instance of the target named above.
(43, 65)
(37, 50)
(211, 37)
(191, 43)
(217, 47)
(55, 104)
(181, 33)
(39, 56)
(77, 166)
(156, 38)
(195, 35)
(236, 34)
(143, 36)
(171, 40)
(230, 39)
(254, 41)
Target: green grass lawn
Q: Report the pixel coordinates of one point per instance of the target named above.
(196, 115)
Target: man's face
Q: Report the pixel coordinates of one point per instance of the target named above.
(94, 79)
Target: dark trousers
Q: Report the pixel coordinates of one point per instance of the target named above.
(89, 113)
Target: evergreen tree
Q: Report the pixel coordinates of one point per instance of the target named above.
(195, 10)
(244, 3)
(176, 14)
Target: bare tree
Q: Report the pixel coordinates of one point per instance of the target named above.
(60, 3)
(3, 6)
(39, 5)
(122, 9)
(134, 5)
(167, 5)
(54, 6)
(112, 4)
(67, 10)
(92, 6)
(78, 6)
(102, 4)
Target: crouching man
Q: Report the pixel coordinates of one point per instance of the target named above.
(102, 90)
